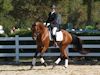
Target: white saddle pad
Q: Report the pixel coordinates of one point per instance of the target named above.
(59, 36)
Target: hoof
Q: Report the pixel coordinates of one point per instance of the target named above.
(31, 67)
(65, 67)
(45, 64)
(53, 65)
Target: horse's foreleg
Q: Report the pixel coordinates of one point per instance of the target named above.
(41, 57)
(43, 61)
(34, 59)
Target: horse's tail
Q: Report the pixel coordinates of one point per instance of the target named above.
(77, 43)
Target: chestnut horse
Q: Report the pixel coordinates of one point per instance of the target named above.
(41, 34)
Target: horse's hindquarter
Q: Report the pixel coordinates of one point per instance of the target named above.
(67, 37)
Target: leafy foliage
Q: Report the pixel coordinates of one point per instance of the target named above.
(22, 13)
(22, 33)
(90, 27)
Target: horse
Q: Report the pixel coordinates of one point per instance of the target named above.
(41, 34)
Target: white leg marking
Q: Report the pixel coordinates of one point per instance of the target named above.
(58, 60)
(42, 60)
(66, 63)
(34, 61)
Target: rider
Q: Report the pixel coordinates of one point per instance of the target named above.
(55, 20)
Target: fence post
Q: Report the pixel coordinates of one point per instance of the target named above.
(17, 48)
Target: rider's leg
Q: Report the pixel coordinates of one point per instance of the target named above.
(54, 35)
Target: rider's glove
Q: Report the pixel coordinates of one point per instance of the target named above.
(46, 24)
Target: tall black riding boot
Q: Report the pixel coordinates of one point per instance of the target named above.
(54, 40)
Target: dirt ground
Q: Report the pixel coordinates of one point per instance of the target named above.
(58, 70)
(76, 67)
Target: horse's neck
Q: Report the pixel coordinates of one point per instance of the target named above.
(43, 34)
(43, 30)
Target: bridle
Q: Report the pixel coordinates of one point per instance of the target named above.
(36, 32)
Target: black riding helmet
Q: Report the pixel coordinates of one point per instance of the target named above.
(53, 6)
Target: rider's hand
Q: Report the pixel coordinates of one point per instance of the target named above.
(44, 23)
(48, 24)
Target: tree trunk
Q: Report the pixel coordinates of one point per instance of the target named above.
(89, 11)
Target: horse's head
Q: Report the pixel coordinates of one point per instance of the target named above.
(37, 28)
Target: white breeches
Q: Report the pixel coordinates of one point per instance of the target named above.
(54, 30)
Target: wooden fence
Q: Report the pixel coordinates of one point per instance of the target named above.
(18, 46)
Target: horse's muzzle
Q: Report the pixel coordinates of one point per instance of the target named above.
(34, 38)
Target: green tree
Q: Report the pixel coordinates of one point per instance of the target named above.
(89, 11)
(5, 19)
(5, 6)
(23, 13)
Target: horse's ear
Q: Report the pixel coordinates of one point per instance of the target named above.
(34, 24)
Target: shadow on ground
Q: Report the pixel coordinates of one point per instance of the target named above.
(51, 60)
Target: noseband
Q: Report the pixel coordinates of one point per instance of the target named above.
(36, 32)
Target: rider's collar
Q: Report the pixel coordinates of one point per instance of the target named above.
(53, 11)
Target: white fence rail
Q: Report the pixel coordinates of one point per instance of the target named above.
(17, 47)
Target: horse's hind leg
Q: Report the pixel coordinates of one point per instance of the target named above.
(57, 62)
(64, 55)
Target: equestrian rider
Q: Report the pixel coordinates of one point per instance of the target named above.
(55, 20)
